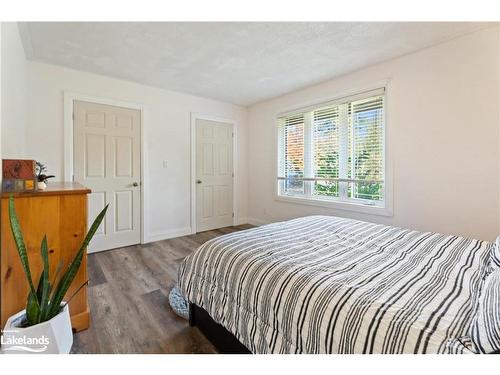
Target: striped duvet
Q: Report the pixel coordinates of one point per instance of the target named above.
(324, 284)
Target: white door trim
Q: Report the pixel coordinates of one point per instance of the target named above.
(68, 164)
(197, 116)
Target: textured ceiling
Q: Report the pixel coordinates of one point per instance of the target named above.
(241, 63)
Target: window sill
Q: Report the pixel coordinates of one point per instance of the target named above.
(344, 206)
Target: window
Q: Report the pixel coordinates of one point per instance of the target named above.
(334, 152)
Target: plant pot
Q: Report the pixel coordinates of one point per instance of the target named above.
(41, 185)
(54, 336)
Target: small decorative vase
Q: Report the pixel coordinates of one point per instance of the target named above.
(41, 185)
(54, 336)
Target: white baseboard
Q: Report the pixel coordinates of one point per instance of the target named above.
(165, 235)
(257, 222)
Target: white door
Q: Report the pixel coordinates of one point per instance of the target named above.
(214, 175)
(107, 143)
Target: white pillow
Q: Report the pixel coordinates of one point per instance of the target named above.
(485, 330)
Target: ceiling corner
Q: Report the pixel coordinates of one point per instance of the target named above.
(25, 35)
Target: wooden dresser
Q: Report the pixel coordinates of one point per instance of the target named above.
(60, 211)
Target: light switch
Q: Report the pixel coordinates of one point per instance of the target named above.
(165, 164)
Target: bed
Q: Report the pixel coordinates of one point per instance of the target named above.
(324, 284)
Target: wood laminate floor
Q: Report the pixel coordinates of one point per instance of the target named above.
(128, 297)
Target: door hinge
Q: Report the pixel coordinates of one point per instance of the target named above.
(233, 174)
(233, 214)
(73, 116)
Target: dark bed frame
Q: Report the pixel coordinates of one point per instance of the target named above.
(221, 338)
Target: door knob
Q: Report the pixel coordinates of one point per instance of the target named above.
(135, 184)
(198, 181)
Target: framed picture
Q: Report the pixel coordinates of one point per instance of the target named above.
(8, 185)
(29, 185)
(18, 169)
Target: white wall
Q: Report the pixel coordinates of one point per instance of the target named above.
(167, 137)
(14, 89)
(443, 134)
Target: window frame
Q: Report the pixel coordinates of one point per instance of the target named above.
(384, 209)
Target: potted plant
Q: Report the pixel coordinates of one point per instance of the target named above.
(41, 177)
(44, 326)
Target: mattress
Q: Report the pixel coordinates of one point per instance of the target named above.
(324, 284)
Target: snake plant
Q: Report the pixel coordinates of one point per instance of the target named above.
(46, 300)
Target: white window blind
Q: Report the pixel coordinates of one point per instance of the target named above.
(294, 153)
(326, 146)
(334, 151)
